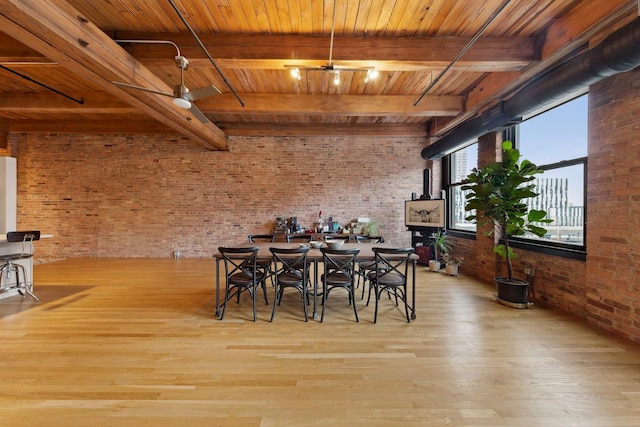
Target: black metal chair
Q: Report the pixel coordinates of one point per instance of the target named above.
(262, 238)
(365, 266)
(390, 276)
(302, 238)
(291, 270)
(242, 275)
(339, 272)
(10, 265)
(264, 264)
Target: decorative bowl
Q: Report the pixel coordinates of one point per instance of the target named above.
(335, 244)
(315, 244)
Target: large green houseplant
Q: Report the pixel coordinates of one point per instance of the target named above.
(497, 195)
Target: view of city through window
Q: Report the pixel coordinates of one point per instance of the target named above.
(554, 136)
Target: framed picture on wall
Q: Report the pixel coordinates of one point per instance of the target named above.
(424, 213)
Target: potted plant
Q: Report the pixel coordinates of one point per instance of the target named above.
(370, 229)
(498, 193)
(451, 264)
(441, 245)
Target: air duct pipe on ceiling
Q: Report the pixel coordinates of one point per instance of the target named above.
(618, 53)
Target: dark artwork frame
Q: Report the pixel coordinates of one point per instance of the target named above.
(424, 213)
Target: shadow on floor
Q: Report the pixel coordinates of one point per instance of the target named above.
(48, 294)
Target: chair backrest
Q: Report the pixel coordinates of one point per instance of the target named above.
(392, 261)
(23, 236)
(262, 238)
(339, 260)
(298, 238)
(369, 239)
(291, 260)
(239, 260)
(27, 238)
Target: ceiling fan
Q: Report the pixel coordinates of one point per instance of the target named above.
(182, 96)
(330, 67)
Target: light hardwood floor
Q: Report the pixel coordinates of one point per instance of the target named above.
(133, 342)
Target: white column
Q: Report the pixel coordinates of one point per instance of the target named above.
(8, 194)
(8, 213)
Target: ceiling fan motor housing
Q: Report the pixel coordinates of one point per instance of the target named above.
(182, 62)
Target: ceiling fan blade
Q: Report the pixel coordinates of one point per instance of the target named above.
(142, 88)
(199, 114)
(354, 69)
(202, 92)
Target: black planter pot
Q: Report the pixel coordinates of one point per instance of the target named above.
(512, 293)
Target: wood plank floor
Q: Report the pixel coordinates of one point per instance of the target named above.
(133, 342)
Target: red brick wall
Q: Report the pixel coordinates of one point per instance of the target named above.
(613, 232)
(605, 289)
(556, 281)
(147, 195)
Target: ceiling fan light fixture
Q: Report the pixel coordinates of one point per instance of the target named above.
(182, 103)
(336, 78)
(295, 73)
(371, 75)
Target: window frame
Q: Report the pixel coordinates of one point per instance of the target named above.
(449, 188)
(553, 248)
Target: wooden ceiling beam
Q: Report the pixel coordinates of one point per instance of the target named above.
(337, 105)
(385, 53)
(4, 138)
(61, 33)
(335, 129)
(274, 52)
(125, 126)
(270, 104)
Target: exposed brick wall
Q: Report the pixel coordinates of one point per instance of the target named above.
(605, 289)
(613, 232)
(556, 281)
(147, 195)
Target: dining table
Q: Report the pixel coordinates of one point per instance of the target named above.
(315, 257)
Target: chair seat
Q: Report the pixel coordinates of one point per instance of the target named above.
(262, 262)
(389, 279)
(367, 264)
(14, 257)
(242, 279)
(337, 278)
(290, 278)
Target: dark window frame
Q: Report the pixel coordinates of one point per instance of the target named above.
(553, 248)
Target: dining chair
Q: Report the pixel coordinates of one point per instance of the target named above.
(291, 270)
(365, 266)
(242, 275)
(262, 238)
(390, 276)
(9, 264)
(264, 264)
(301, 238)
(339, 273)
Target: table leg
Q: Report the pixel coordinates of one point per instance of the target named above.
(413, 290)
(217, 287)
(315, 289)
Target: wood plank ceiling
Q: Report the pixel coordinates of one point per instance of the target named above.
(59, 61)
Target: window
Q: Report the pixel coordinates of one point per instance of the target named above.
(459, 165)
(556, 141)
